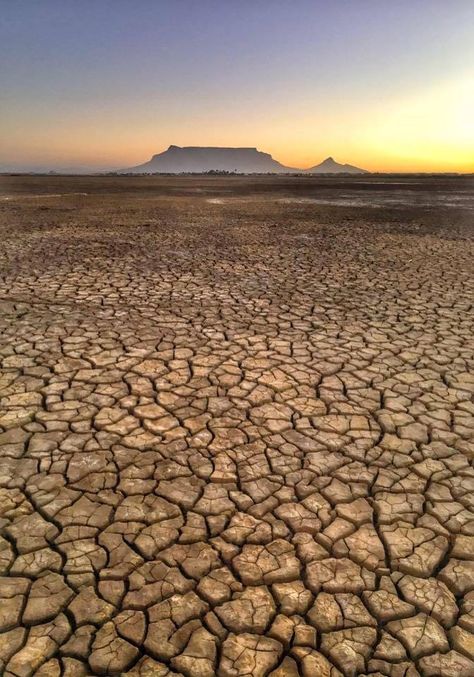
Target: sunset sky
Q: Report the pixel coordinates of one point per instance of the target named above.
(388, 86)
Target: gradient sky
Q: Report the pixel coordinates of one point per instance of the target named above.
(386, 85)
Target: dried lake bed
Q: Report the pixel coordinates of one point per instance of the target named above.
(236, 426)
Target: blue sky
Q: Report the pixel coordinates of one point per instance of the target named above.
(108, 83)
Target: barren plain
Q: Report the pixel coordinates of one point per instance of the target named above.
(236, 426)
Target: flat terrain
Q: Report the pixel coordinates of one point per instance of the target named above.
(237, 426)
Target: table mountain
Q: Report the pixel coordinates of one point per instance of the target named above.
(198, 159)
(176, 160)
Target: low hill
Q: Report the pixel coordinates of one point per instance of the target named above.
(330, 166)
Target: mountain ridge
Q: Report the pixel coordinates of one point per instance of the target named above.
(245, 160)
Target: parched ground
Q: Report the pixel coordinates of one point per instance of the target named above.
(237, 427)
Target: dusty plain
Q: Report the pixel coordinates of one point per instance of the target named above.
(236, 426)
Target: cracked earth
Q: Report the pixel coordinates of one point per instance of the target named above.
(236, 430)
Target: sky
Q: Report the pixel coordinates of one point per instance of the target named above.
(388, 86)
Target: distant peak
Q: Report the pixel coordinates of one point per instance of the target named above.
(330, 166)
(172, 147)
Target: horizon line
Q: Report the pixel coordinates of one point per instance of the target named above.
(86, 169)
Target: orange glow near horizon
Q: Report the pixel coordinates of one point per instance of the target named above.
(384, 86)
(430, 132)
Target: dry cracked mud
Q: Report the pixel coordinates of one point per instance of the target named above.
(236, 428)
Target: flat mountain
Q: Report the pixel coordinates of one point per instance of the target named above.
(198, 159)
(186, 159)
(330, 166)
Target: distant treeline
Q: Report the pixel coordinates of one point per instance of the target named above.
(222, 172)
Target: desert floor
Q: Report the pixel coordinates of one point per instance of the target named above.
(237, 426)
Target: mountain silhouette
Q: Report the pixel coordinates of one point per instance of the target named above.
(330, 166)
(176, 160)
(198, 159)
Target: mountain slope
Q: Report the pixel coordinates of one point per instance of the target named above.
(204, 159)
(330, 166)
